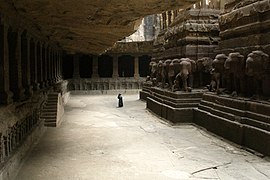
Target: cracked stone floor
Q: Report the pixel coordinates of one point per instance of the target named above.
(96, 140)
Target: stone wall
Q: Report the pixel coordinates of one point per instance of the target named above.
(191, 33)
(245, 27)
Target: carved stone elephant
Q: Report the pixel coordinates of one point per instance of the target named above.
(153, 72)
(204, 68)
(174, 69)
(165, 71)
(159, 75)
(235, 67)
(218, 70)
(187, 67)
(258, 66)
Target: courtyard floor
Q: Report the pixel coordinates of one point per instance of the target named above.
(97, 140)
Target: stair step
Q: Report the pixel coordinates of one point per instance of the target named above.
(218, 112)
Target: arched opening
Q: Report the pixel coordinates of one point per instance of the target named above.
(86, 66)
(105, 66)
(144, 65)
(68, 66)
(126, 66)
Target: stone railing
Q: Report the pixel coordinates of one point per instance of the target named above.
(105, 83)
(13, 136)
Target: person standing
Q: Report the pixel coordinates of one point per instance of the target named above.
(120, 100)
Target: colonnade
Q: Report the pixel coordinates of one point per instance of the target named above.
(115, 74)
(27, 63)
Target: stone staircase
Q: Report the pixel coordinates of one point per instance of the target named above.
(53, 110)
(241, 121)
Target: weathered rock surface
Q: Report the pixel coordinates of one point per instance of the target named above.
(83, 25)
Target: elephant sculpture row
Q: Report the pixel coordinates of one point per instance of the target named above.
(235, 72)
(231, 73)
(170, 73)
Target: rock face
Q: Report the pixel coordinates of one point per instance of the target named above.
(245, 27)
(191, 33)
(85, 26)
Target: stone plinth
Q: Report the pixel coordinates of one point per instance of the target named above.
(241, 121)
(175, 107)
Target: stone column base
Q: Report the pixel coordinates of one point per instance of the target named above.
(6, 97)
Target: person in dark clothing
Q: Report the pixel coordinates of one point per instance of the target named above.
(120, 102)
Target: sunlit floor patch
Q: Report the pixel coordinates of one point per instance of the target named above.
(176, 174)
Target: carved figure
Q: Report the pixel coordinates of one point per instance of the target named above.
(204, 70)
(235, 66)
(153, 70)
(218, 70)
(159, 72)
(258, 66)
(186, 65)
(174, 69)
(165, 71)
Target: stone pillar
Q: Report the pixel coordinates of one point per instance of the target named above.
(55, 65)
(164, 20)
(39, 67)
(76, 66)
(115, 67)
(136, 68)
(204, 5)
(49, 69)
(34, 67)
(27, 83)
(222, 4)
(169, 17)
(52, 66)
(17, 86)
(58, 65)
(161, 21)
(95, 67)
(44, 65)
(5, 93)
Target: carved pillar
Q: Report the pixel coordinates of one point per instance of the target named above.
(34, 67)
(136, 68)
(164, 20)
(26, 65)
(55, 65)
(161, 21)
(204, 5)
(76, 66)
(5, 93)
(169, 17)
(49, 68)
(222, 4)
(95, 67)
(15, 59)
(115, 66)
(39, 65)
(44, 64)
(61, 65)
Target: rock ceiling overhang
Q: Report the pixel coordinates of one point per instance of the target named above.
(86, 26)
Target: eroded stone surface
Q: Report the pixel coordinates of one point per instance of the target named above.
(83, 25)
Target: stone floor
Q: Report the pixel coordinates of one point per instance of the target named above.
(99, 141)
